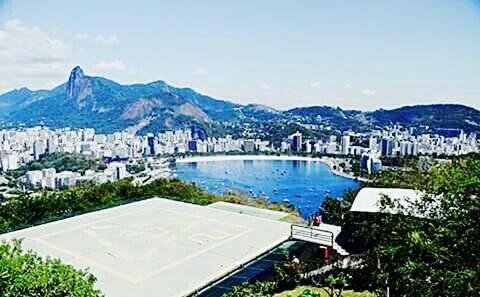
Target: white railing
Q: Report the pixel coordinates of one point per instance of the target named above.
(312, 234)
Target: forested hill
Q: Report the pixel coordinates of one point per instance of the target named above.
(107, 106)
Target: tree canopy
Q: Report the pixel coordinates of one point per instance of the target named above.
(431, 247)
(438, 254)
(27, 274)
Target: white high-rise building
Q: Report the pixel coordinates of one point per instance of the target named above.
(39, 148)
(345, 144)
(372, 144)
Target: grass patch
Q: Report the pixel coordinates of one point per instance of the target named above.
(297, 291)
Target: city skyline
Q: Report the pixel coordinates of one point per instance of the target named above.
(406, 53)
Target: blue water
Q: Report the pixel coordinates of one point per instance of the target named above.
(303, 184)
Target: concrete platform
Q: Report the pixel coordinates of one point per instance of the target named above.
(155, 247)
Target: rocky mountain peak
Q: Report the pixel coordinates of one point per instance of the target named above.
(78, 85)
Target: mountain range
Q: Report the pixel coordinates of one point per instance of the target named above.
(107, 106)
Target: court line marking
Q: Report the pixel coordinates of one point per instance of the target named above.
(87, 260)
(137, 280)
(91, 262)
(194, 255)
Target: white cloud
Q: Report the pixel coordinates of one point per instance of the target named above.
(369, 92)
(109, 66)
(347, 86)
(112, 39)
(30, 56)
(200, 72)
(21, 43)
(316, 85)
(266, 87)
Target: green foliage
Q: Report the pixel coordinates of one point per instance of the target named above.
(335, 285)
(288, 273)
(334, 209)
(439, 254)
(71, 162)
(61, 162)
(257, 289)
(435, 255)
(309, 293)
(27, 274)
(136, 167)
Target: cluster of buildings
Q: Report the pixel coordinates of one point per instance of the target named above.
(390, 143)
(20, 146)
(395, 142)
(49, 178)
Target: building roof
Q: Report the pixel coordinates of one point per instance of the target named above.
(155, 247)
(368, 199)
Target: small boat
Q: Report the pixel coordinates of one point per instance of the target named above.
(286, 200)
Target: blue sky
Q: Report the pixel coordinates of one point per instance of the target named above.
(352, 54)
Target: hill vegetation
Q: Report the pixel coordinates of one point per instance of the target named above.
(107, 106)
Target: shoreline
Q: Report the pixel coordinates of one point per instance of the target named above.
(325, 160)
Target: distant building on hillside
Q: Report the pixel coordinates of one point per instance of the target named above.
(39, 148)
(151, 144)
(386, 147)
(372, 144)
(192, 146)
(345, 144)
(9, 160)
(296, 142)
(249, 146)
(370, 162)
